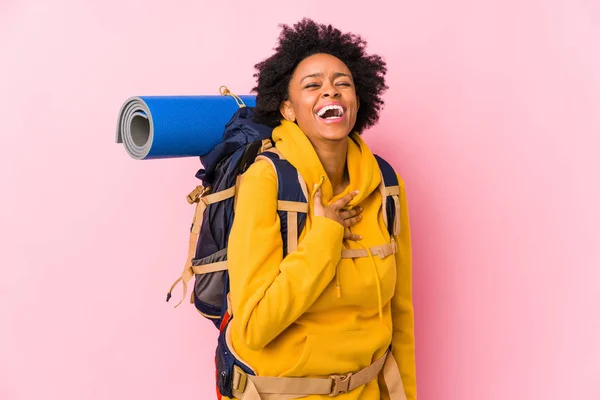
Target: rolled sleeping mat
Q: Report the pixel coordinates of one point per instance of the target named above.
(154, 127)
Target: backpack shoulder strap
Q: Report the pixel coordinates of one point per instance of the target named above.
(390, 196)
(292, 199)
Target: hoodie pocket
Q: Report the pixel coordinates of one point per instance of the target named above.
(335, 353)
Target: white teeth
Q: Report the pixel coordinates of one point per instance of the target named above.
(323, 110)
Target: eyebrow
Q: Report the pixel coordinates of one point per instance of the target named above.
(318, 75)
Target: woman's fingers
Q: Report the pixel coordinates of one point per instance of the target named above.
(351, 236)
(345, 214)
(343, 202)
(318, 196)
(337, 211)
(319, 210)
(352, 221)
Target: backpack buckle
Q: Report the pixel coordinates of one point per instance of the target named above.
(196, 194)
(240, 379)
(341, 384)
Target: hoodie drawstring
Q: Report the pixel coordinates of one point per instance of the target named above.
(338, 288)
(317, 186)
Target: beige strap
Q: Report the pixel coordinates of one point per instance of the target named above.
(385, 250)
(354, 253)
(397, 219)
(391, 190)
(208, 268)
(206, 315)
(229, 311)
(394, 192)
(303, 186)
(188, 272)
(393, 379)
(219, 196)
(292, 231)
(238, 181)
(249, 387)
(266, 145)
(196, 194)
(294, 206)
(225, 92)
(381, 251)
(349, 382)
(382, 189)
(291, 207)
(265, 387)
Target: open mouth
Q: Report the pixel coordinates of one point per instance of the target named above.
(331, 112)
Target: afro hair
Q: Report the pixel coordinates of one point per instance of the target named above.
(304, 39)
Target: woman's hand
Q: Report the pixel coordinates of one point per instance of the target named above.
(338, 213)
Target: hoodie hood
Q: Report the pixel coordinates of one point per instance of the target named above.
(362, 166)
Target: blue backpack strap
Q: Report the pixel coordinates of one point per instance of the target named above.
(292, 204)
(390, 196)
(292, 207)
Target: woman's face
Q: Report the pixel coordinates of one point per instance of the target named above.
(322, 98)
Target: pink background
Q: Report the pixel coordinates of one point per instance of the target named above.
(492, 117)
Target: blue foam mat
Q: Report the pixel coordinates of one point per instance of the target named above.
(154, 127)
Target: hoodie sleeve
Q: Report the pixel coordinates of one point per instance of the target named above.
(403, 339)
(268, 293)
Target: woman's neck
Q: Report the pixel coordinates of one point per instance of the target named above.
(333, 157)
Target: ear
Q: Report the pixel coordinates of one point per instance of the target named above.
(287, 111)
(357, 102)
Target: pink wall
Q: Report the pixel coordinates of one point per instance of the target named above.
(493, 118)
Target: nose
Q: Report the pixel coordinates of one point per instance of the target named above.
(330, 90)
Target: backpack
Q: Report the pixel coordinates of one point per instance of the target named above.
(245, 141)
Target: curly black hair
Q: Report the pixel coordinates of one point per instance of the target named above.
(304, 39)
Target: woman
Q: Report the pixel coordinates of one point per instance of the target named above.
(313, 313)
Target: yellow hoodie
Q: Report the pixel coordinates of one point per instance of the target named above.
(289, 318)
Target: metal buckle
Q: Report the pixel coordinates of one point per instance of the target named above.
(341, 384)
